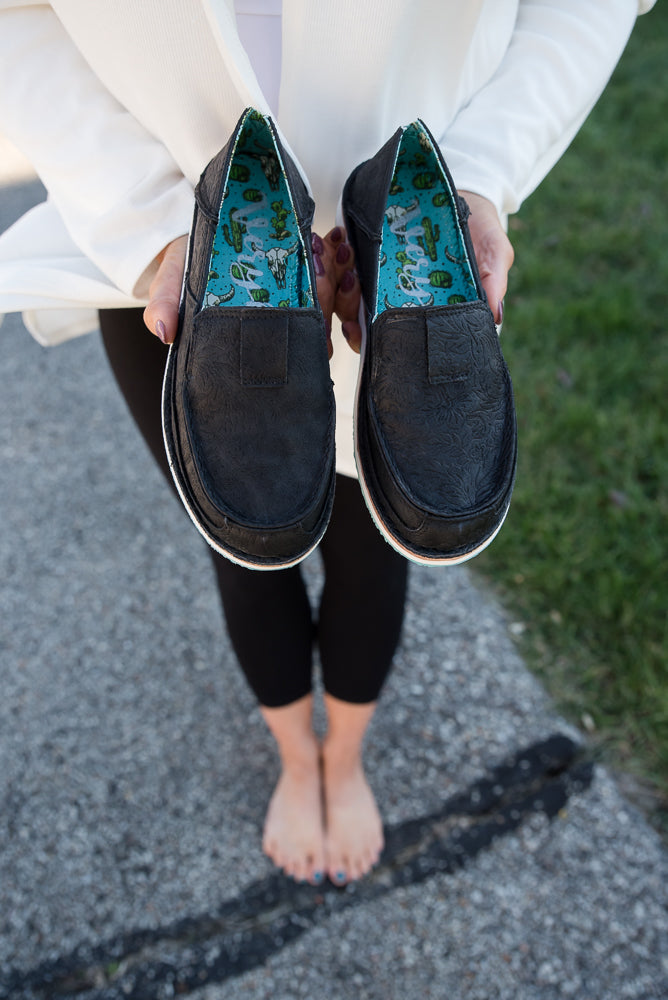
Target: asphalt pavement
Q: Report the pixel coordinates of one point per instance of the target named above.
(135, 769)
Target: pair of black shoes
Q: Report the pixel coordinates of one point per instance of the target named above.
(248, 405)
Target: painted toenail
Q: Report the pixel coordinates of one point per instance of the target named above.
(347, 281)
(316, 243)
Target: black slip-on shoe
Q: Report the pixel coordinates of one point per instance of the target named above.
(435, 429)
(248, 404)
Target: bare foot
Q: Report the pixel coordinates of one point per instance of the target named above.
(294, 829)
(354, 830)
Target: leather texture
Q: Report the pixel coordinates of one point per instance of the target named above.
(435, 426)
(248, 404)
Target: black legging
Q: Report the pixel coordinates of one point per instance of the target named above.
(268, 613)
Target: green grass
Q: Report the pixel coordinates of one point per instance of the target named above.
(582, 560)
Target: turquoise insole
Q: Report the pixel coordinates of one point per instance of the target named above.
(423, 258)
(257, 257)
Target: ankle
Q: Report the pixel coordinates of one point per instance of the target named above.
(291, 726)
(298, 750)
(341, 756)
(300, 758)
(347, 723)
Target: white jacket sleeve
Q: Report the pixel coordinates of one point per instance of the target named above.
(117, 189)
(562, 53)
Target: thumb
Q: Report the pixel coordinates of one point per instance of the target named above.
(493, 250)
(161, 315)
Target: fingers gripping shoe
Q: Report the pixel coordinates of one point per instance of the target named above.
(248, 406)
(435, 429)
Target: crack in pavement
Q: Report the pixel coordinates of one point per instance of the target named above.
(176, 959)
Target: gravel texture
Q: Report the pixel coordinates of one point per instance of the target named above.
(136, 769)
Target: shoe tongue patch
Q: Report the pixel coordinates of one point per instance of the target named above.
(257, 257)
(423, 259)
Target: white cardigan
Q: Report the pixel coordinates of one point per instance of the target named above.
(120, 104)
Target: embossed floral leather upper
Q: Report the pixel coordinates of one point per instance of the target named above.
(248, 407)
(435, 435)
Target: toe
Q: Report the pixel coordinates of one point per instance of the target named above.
(362, 866)
(291, 869)
(297, 871)
(371, 860)
(316, 869)
(303, 869)
(338, 870)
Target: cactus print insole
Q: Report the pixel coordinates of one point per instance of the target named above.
(258, 257)
(423, 259)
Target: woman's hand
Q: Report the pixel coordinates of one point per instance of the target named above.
(339, 288)
(493, 250)
(162, 312)
(337, 285)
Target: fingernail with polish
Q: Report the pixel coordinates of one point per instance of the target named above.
(343, 253)
(347, 281)
(161, 332)
(500, 313)
(340, 876)
(336, 234)
(318, 877)
(316, 243)
(318, 265)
